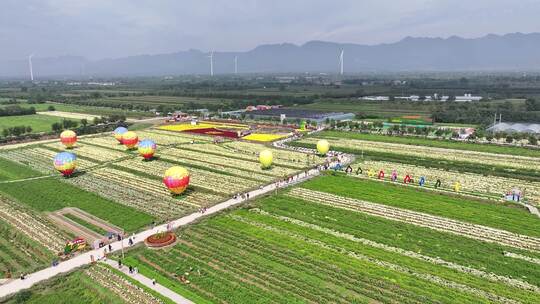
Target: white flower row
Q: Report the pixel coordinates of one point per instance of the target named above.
(217, 182)
(473, 231)
(521, 162)
(32, 225)
(434, 260)
(93, 152)
(249, 152)
(232, 165)
(394, 267)
(120, 286)
(522, 257)
(470, 182)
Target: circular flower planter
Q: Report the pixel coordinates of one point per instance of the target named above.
(161, 239)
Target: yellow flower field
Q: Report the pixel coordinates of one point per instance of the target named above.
(264, 137)
(202, 125)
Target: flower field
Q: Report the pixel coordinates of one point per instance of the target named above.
(40, 159)
(144, 194)
(332, 239)
(227, 164)
(478, 232)
(88, 151)
(74, 288)
(71, 115)
(212, 181)
(250, 152)
(264, 137)
(470, 182)
(32, 226)
(512, 161)
(288, 250)
(103, 141)
(120, 286)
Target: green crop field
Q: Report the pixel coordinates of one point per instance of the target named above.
(287, 250)
(51, 194)
(455, 158)
(39, 123)
(447, 144)
(378, 109)
(502, 216)
(12, 171)
(18, 253)
(336, 238)
(75, 108)
(74, 288)
(95, 284)
(164, 100)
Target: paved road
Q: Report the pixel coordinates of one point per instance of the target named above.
(148, 283)
(86, 258)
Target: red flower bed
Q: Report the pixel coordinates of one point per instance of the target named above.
(160, 239)
(214, 132)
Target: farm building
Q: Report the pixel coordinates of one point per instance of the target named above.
(509, 127)
(312, 115)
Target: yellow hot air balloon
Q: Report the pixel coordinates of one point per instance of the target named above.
(266, 158)
(323, 146)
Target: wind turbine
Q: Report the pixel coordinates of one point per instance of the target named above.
(30, 66)
(235, 64)
(211, 63)
(341, 62)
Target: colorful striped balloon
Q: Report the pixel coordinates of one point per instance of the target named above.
(119, 132)
(147, 148)
(130, 139)
(68, 138)
(65, 163)
(176, 179)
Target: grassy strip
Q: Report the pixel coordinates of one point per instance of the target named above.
(413, 264)
(461, 250)
(447, 144)
(19, 253)
(50, 194)
(74, 288)
(460, 166)
(501, 216)
(140, 285)
(12, 171)
(86, 224)
(173, 285)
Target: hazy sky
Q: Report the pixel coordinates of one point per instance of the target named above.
(115, 28)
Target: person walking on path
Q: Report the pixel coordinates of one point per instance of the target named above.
(154, 281)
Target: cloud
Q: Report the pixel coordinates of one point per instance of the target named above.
(104, 28)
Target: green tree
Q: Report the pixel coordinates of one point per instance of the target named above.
(533, 140)
(84, 122)
(56, 127)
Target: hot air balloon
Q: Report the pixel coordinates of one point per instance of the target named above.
(68, 138)
(266, 158)
(65, 162)
(323, 146)
(130, 139)
(119, 132)
(176, 179)
(147, 148)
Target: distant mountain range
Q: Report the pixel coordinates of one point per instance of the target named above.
(510, 52)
